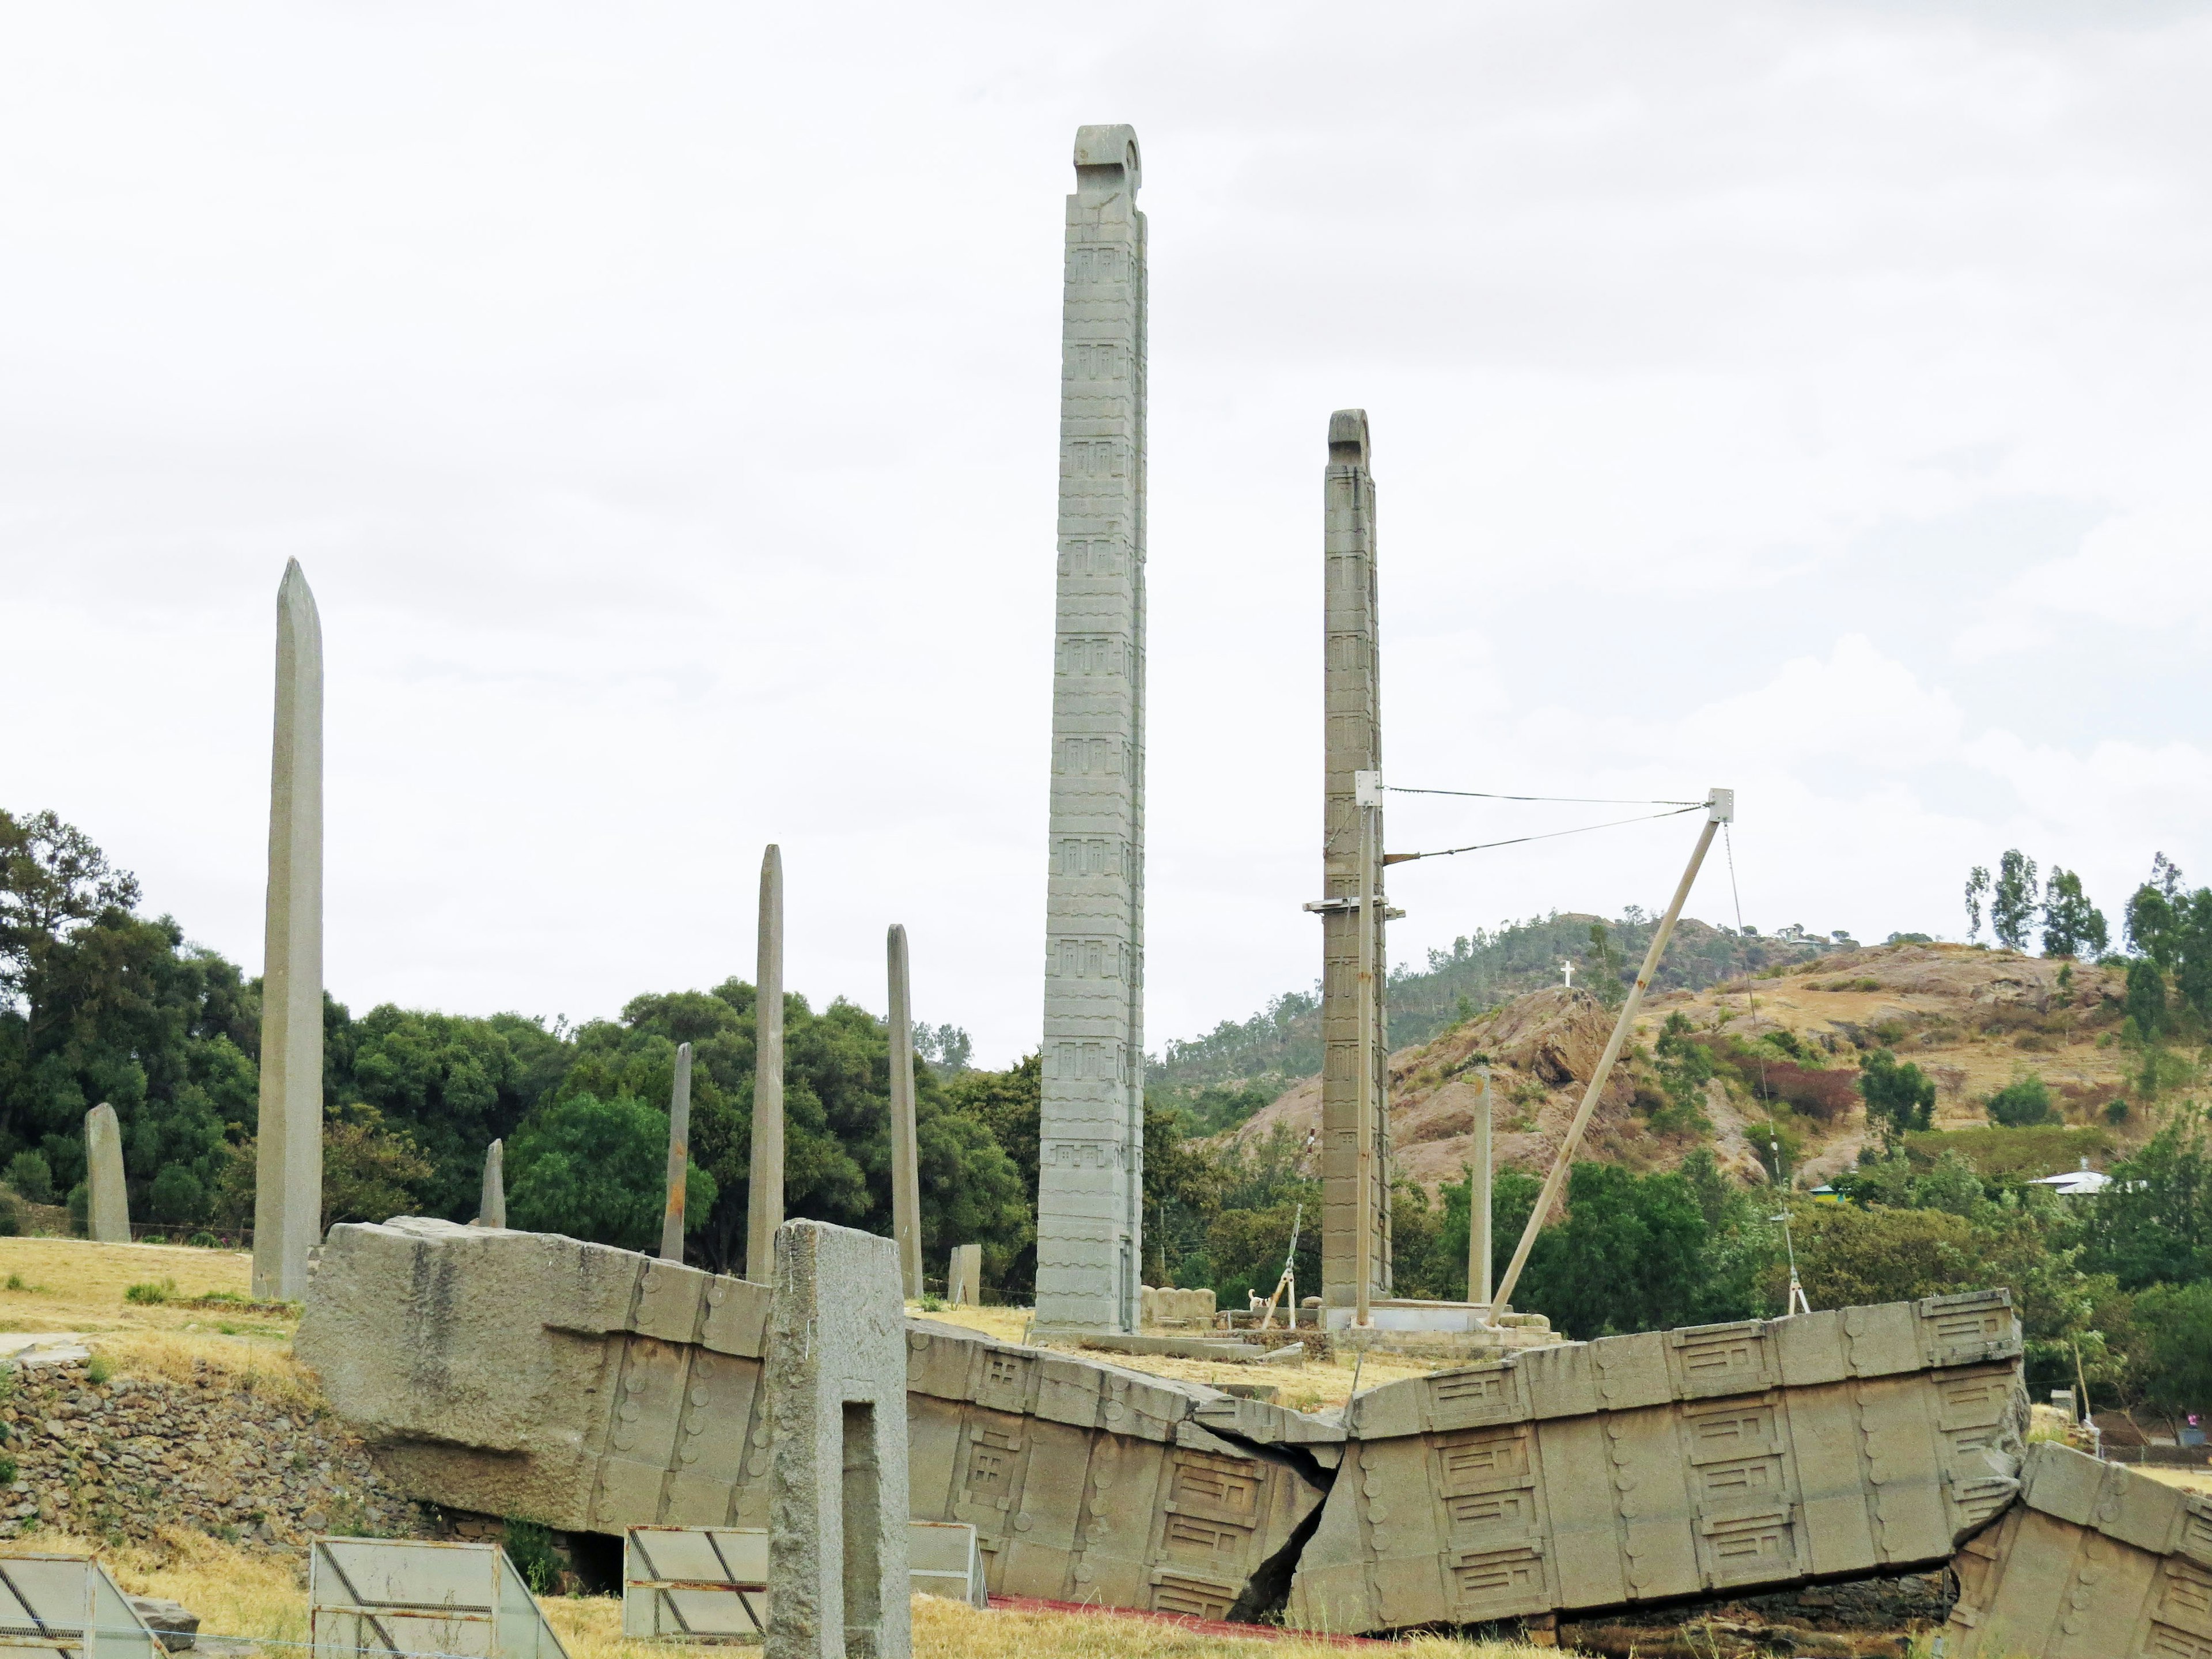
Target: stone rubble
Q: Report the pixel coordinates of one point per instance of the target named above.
(127, 1457)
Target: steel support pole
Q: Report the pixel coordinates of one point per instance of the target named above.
(1720, 807)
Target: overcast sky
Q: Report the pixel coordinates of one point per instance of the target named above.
(661, 400)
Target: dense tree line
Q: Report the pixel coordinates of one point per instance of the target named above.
(99, 1004)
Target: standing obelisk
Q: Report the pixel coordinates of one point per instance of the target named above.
(764, 1185)
(906, 1166)
(1352, 834)
(1091, 1130)
(287, 1191)
(679, 1156)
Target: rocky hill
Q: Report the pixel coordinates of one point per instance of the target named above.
(1481, 970)
(1973, 1019)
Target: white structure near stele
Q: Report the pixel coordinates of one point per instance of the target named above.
(1090, 1157)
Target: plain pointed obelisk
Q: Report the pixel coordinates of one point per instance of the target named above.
(491, 1201)
(1351, 693)
(287, 1190)
(1091, 1165)
(906, 1175)
(764, 1186)
(679, 1156)
(108, 1206)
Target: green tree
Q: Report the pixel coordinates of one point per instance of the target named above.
(2172, 1363)
(2022, 1102)
(1685, 1066)
(2012, 904)
(1628, 1257)
(178, 1197)
(597, 1170)
(1978, 890)
(2072, 926)
(1850, 1257)
(2150, 914)
(52, 880)
(1603, 965)
(450, 1083)
(2152, 1225)
(1899, 1097)
(2192, 951)
(2146, 998)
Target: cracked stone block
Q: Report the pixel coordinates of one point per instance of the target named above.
(1671, 1463)
(2095, 1561)
(514, 1373)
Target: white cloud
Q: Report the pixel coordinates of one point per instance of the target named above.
(663, 408)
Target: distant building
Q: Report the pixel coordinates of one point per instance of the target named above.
(2075, 1183)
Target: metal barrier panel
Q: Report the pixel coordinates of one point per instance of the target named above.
(943, 1559)
(68, 1605)
(399, 1595)
(2094, 1562)
(692, 1584)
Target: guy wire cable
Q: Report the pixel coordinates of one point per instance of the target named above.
(1575, 800)
(1549, 835)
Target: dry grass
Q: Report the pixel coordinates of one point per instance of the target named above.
(79, 1286)
(261, 1597)
(1314, 1386)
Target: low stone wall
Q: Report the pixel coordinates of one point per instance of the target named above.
(124, 1458)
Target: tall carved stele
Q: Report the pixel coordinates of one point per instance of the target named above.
(287, 1192)
(1352, 682)
(1090, 1162)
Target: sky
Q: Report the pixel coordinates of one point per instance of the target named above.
(1813, 400)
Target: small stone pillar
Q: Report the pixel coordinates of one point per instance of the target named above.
(906, 1178)
(679, 1156)
(108, 1216)
(491, 1204)
(765, 1184)
(963, 1278)
(835, 1370)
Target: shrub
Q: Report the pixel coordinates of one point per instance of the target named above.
(1823, 1095)
(151, 1292)
(529, 1547)
(98, 1370)
(177, 1196)
(2021, 1104)
(30, 1174)
(7, 1470)
(11, 1218)
(80, 1210)
(202, 1240)
(2117, 1112)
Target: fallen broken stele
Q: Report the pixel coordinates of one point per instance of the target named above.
(592, 1388)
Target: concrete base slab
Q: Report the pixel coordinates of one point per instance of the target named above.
(1176, 1347)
